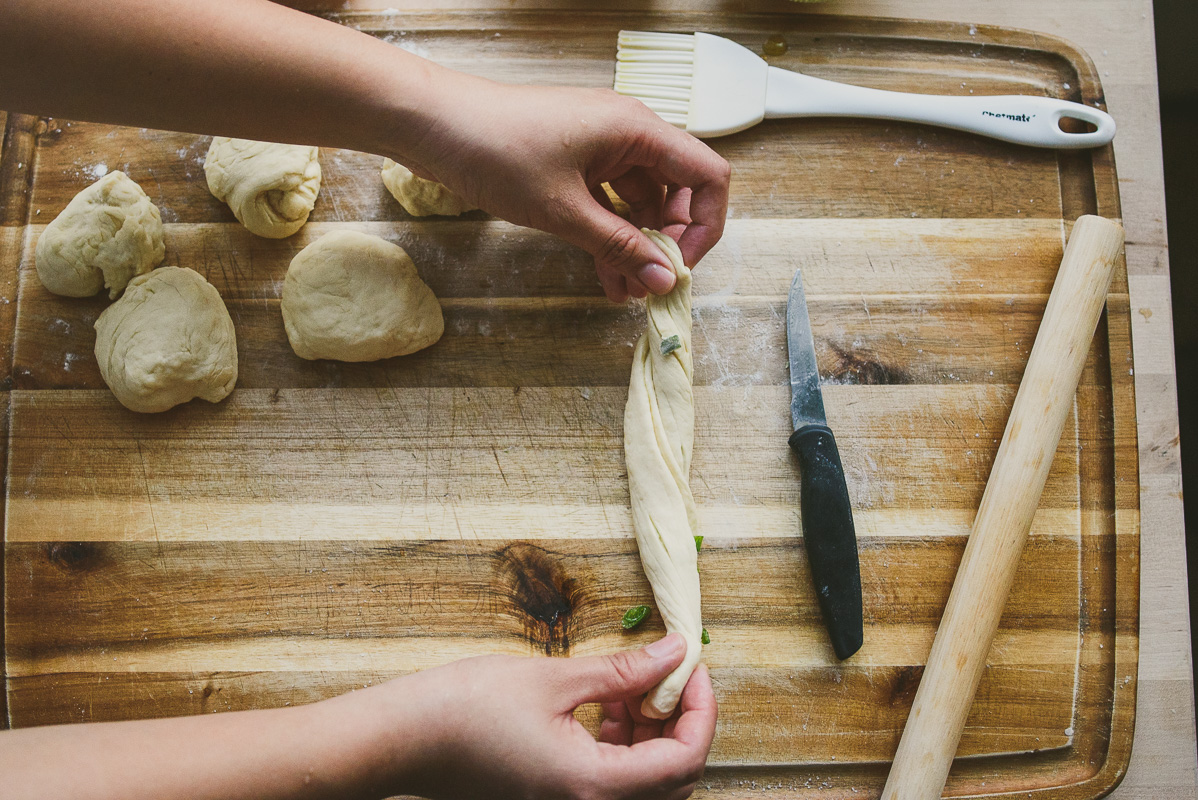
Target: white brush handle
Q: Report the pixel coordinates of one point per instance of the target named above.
(1022, 119)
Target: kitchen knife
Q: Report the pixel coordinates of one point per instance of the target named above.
(825, 509)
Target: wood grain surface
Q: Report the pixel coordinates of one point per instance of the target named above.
(331, 525)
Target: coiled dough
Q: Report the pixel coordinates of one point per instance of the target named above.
(271, 188)
(420, 197)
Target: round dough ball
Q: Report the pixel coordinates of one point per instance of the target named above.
(419, 197)
(108, 233)
(350, 296)
(167, 340)
(270, 187)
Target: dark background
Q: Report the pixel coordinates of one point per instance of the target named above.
(1176, 26)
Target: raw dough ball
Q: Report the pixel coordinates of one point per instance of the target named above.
(167, 340)
(107, 234)
(270, 187)
(419, 197)
(350, 296)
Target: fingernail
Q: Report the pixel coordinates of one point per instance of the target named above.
(665, 647)
(657, 279)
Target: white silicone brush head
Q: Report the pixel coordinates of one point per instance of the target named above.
(706, 84)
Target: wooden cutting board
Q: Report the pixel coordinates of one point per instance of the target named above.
(333, 525)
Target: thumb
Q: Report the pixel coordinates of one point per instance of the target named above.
(619, 245)
(601, 679)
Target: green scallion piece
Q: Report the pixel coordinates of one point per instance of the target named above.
(634, 616)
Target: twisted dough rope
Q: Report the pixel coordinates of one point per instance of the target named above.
(659, 432)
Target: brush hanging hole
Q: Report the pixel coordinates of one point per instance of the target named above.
(1074, 125)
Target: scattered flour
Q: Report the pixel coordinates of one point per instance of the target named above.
(721, 323)
(95, 171)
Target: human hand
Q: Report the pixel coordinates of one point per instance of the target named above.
(503, 726)
(538, 156)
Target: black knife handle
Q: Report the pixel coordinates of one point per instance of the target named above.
(829, 536)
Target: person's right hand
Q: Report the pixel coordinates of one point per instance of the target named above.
(538, 156)
(503, 727)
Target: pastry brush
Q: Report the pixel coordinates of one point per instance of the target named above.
(712, 86)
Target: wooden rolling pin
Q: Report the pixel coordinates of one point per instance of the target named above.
(1044, 400)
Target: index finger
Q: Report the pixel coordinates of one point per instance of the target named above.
(681, 159)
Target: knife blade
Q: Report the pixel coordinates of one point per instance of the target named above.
(826, 512)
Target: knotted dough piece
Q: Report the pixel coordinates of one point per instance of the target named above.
(420, 197)
(108, 233)
(351, 296)
(167, 340)
(659, 431)
(270, 187)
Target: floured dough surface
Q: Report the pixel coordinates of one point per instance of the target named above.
(271, 188)
(167, 340)
(108, 233)
(420, 197)
(350, 296)
(659, 432)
